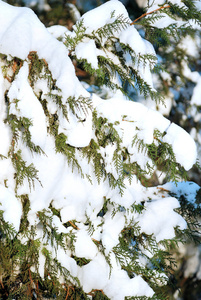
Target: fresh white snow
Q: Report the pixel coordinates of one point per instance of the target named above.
(75, 197)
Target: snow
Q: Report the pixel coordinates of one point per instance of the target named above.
(4, 130)
(99, 274)
(84, 246)
(87, 51)
(160, 218)
(41, 268)
(99, 270)
(130, 114)
(111, 229)
(146, 121)
(67, 261)
(131, 37)
(101, 15)
(11, 207)
(96, 18)
(58, 31)
(196, 99)
(134, 287)
(79, 132)
(15, 22)
(182, 141)
(190, 45)
(188, 189)
(74, 196)
(28, 106)
(165, 20)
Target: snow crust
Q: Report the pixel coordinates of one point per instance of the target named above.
(75, 197)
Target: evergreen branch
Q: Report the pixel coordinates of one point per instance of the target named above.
(58, 100)
(164, 158)
(53, 266)
(118, 162)
(186, 12)
(24, 172)
(148, 13)
(7, 230)
(139, 143)
(62, 146)
(116, 183)
(50, 232)
(36, 66)
(22, 124)
(128, 75)
(79, 29)
(99, 167)
(109, 29)
(81, 104)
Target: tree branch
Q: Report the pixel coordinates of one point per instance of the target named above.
(151, 12)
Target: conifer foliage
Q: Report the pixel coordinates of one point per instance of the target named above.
(79, 217)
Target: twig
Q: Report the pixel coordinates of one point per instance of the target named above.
(9, 79)
(68, 291)
(30, 55)
(96, 290)
(73, 225)
(14, 67)
(162, 189)
(3, 288)
(95, 240)
(148, 13)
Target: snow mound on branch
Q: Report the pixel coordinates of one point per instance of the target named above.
(106, 14)
(101, 15)
(132, 287)
(21, 33)
(11, 206)
(28, 106)
(160, 219)
(182, 144)
(116, 286)
(137, 118)
(165, 20)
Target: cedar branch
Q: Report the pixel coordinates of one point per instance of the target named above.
(151, 12)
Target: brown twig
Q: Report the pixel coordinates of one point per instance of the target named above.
(162, 189)
(95, 240)
(2, 284)
(3, 288)
(9, 79)
(148, 13)
(37, 288)
(14, 67)
(31, 285)
(73, 225)
(45, 62)
(96, 290)
(31, 54)
(68, 291)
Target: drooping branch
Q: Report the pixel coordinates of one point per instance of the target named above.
(149, 13)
